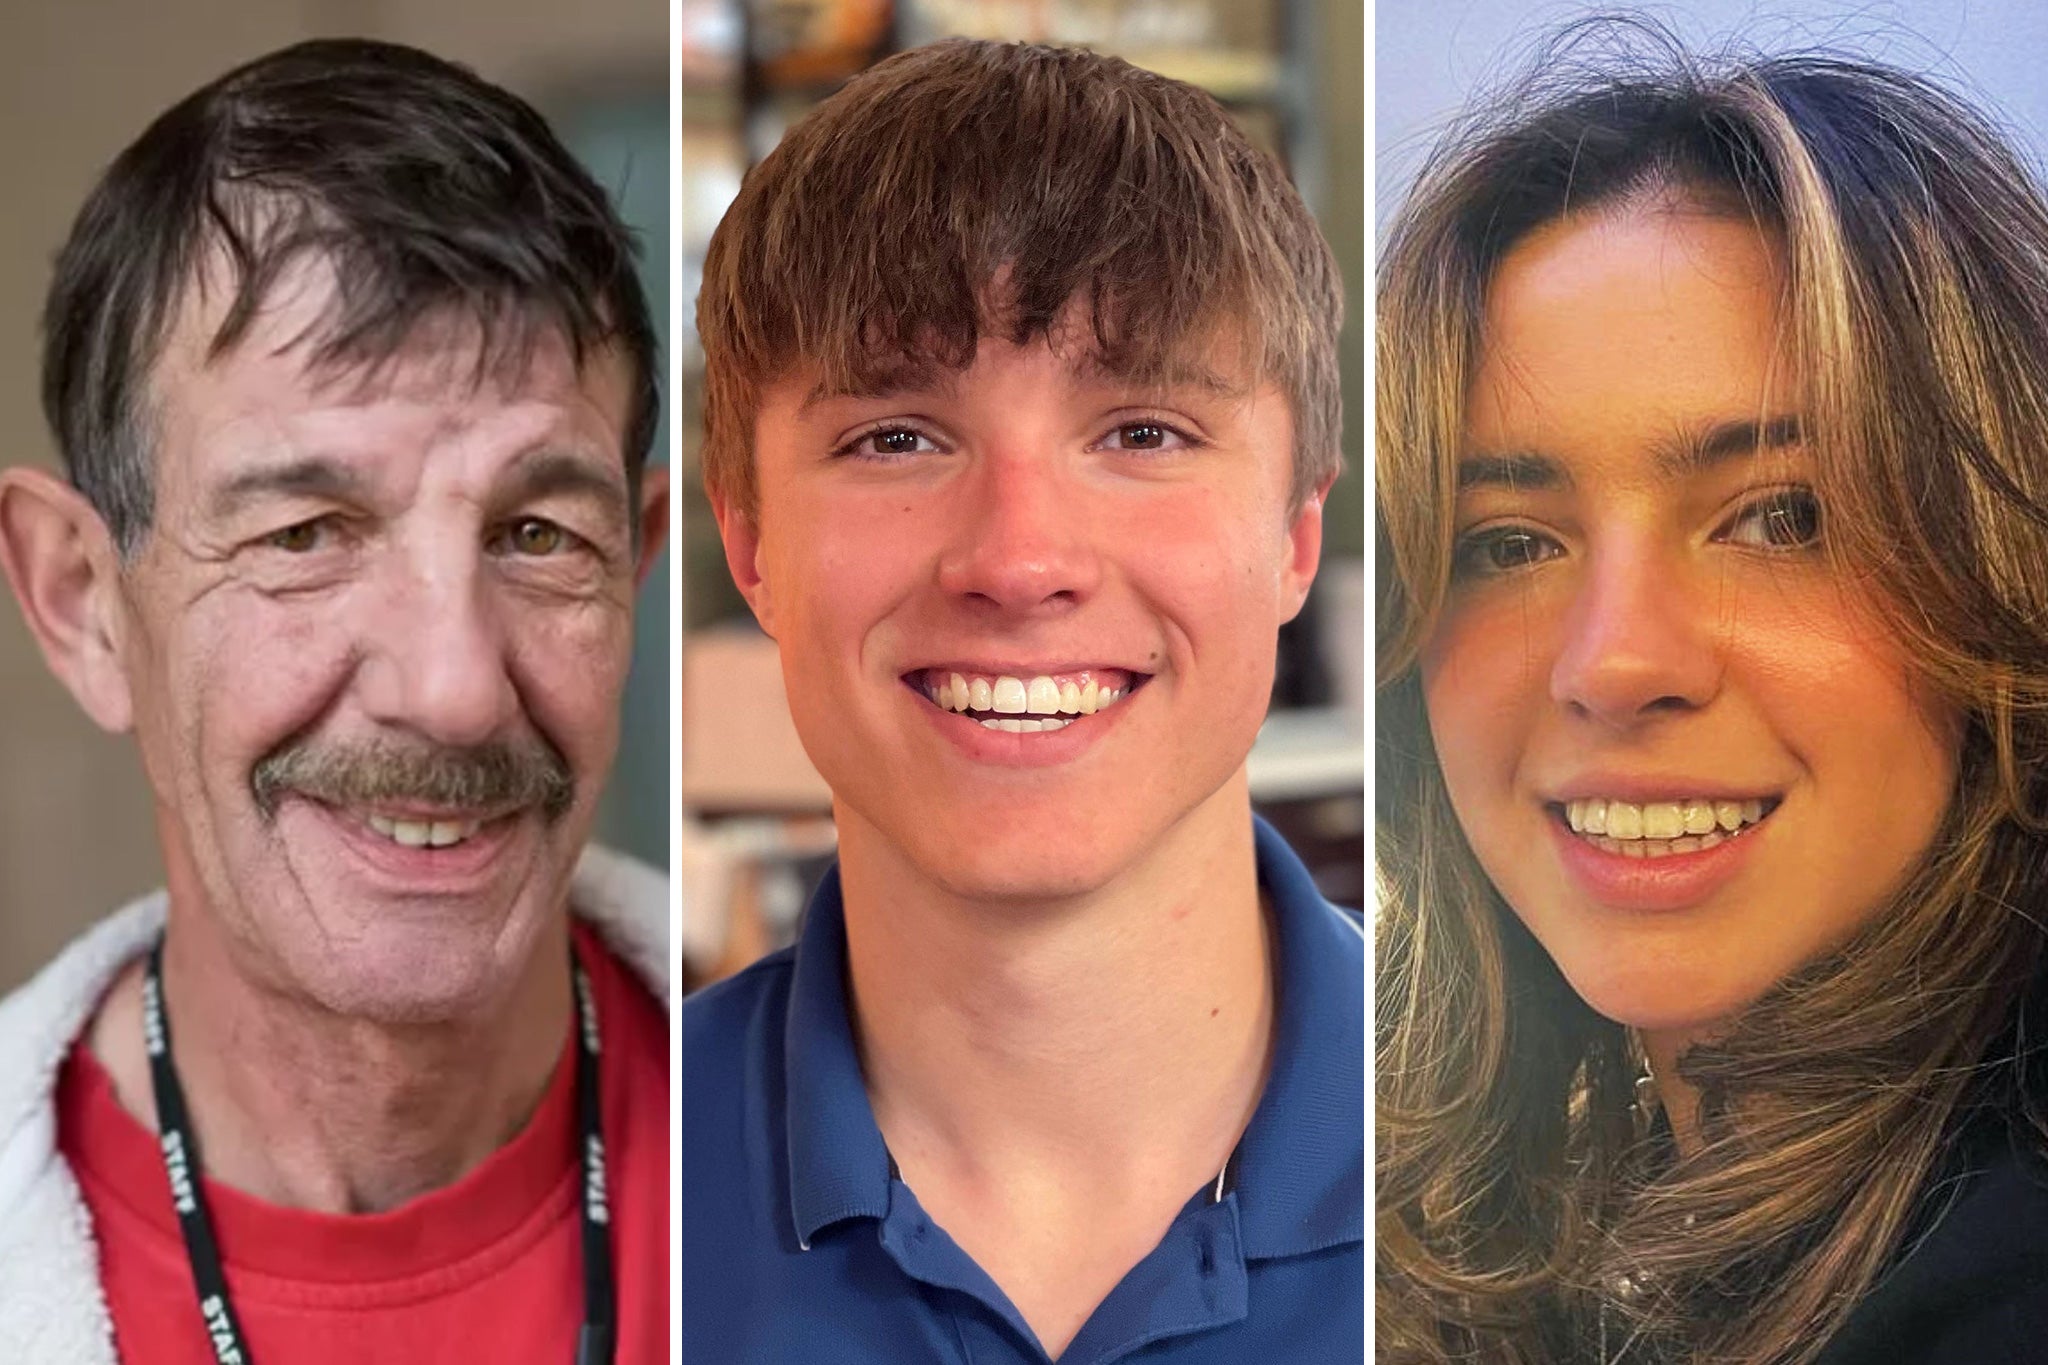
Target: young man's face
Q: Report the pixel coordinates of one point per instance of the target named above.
(367, 584)
(1072, 548)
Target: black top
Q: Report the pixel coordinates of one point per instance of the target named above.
(1973, 1288)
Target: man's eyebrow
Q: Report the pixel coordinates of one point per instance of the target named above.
(313, 476)
(552, 472)
(927, 377)
(1174, 374)
(908, 377)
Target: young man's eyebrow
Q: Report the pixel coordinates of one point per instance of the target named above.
(312, 476)
(1684, 455)
(919, 377)
(910, 377)
(1175, 374)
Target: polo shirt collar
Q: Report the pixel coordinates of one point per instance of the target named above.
(1301, 1165)
(1300, 1169)
(838, 1165)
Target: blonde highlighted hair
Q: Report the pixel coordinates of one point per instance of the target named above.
(1521, 1219)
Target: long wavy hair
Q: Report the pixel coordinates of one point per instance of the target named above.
(1522, 1215)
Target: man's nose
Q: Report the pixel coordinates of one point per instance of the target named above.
(436, 658)
(1639, 641)
(1023, 539)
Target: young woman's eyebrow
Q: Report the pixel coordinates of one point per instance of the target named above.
(1518, 470)
(1687, 454)
(1694, 452)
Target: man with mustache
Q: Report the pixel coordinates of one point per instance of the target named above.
(354, 384)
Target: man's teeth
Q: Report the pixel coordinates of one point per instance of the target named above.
(424, 833)
(1037, 702)
(1660, 827)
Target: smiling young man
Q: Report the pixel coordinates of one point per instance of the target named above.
(353, 380)
(1021, 406)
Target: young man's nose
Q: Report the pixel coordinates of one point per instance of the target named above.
(1022, 538)
(435, 655)
(1638, 641)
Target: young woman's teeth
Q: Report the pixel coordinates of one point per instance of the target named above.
(1660, 828)
(424, 833)
(1023, 705)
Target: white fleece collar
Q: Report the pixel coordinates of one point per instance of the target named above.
(51, 1305)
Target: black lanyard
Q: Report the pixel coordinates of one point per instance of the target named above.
(594, 1341)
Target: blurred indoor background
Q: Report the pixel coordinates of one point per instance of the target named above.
(755, 830)
(80, 81)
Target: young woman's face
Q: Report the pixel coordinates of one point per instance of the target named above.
(1645, 651)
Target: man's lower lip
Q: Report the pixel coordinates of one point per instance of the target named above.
(1676, 881)
(1028, 749)
(451, 869)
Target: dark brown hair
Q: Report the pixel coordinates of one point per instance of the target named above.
(425, 188)
(969, 187)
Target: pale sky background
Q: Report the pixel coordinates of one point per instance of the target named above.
(1430, 54)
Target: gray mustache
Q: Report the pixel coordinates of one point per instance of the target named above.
(491, 776)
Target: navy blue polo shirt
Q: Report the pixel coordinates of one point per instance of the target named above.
(799, 1244)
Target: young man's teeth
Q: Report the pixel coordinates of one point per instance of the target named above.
(1036, 700)
(424, 833)
(1658, 828)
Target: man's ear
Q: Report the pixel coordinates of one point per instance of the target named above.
(1304, 550)
(61, 563)
(742, 536)
(653, 520)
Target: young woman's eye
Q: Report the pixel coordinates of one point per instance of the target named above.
(1501, 549)
(1145, 436)
(1788, 519)
(888, 443)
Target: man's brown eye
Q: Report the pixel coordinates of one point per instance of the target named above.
(896, 441)
(297, 539)
(533, 536)
(1144, 436)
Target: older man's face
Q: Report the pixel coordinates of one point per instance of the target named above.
(375, 640)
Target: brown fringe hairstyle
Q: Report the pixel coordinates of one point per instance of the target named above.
(970, 188)
(1520, 1217)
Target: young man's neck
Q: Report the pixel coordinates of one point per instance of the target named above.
(1075, 1068)
(306, 1109)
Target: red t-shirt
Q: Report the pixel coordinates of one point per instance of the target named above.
(489, 1269)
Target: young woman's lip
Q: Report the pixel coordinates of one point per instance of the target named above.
(1676, 881)
(1651, 791)
(1557, 808)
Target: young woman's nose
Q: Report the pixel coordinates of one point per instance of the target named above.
(1638, 641)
